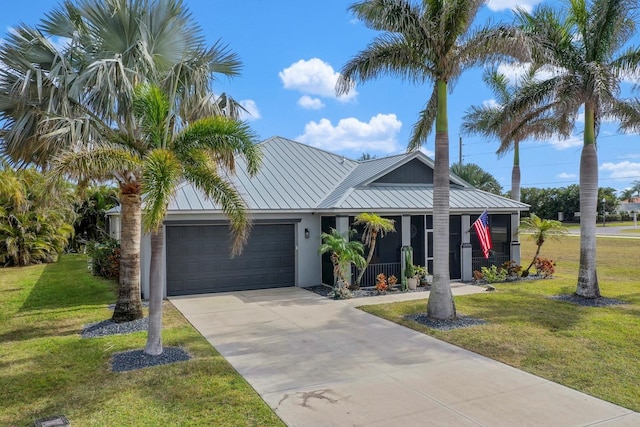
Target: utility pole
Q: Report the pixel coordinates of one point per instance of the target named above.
(460, 151)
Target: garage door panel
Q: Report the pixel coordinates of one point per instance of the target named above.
(198, 259)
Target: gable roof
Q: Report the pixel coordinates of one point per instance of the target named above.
(298, 177)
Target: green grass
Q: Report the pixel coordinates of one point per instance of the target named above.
(594, 350)
(46, 369)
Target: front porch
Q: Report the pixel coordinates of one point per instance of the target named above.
(465, 254)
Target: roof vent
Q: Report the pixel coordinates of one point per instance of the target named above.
(342, 160)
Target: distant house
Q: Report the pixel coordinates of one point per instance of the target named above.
(632, 205)
(301, 192)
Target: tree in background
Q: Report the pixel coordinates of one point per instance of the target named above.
(374, 226)
(585, 45)
(430, 41)
(477, 177)
(511, 127)
(365, 157)
(90, 223)
(35, 217)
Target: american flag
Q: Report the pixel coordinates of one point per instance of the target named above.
(481, 225)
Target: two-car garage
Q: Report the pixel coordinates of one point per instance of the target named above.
(198, 259)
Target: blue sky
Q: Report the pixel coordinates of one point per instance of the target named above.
(292, 52)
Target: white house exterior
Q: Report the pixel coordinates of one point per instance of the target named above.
(301, 192)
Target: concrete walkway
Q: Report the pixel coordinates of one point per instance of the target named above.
(621, 232)
(319, 362)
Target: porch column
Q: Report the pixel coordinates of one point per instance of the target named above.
(466, 258)
(515, 240)
(406, 230)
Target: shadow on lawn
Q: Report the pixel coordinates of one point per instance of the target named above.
(66, 285)
(527, 307)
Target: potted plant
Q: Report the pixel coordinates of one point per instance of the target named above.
(410, 272)
(421, 274)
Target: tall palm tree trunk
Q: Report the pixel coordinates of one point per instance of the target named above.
(129, 304)
(156, 288)
(515, 173)
(441, 305)
(587, 275)
(372, 248)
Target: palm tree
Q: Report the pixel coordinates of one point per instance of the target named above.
(203, 153)
(477, 177)
(541, 230)
(584, 42)
(78, 98)
(34, 226)
(627, 194)
(344, 252)
(429, 42)
(510, 127)
(636, 187)
(374, 226)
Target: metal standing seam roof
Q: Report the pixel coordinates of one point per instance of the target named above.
(295, 176)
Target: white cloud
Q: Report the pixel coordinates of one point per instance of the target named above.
(632, 77)
(500, 5)
(350, 134)
(565, 175)
(490, 103)
(310, 103)
(428, 152)
(623, 169)
(563, 144)
(313, 77)
(516, 70)
(252, 112)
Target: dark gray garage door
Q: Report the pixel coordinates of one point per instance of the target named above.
(198, 259)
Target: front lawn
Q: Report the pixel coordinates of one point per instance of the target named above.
(594, 350)
(46, 369)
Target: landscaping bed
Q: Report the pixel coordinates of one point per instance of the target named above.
(326, 291)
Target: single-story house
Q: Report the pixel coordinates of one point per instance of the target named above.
(302, 191)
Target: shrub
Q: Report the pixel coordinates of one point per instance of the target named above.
(104, 258)
(494, 274)
(392, 280)
(477, 276)
(381, 283)
(545, 267)
(512, 268)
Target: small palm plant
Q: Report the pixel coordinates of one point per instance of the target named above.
(344, 252)
(374, 226)
(541, 230)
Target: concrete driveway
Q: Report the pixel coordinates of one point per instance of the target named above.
(319, 362)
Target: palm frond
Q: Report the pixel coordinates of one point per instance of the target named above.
(223, 138)
(99, 162)
(423, 127)
(161, 175)
(206, 178)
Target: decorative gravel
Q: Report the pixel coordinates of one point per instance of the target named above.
(108, 327)
(360, 293)
(137, 359)
(588, 302)
(446, 325)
